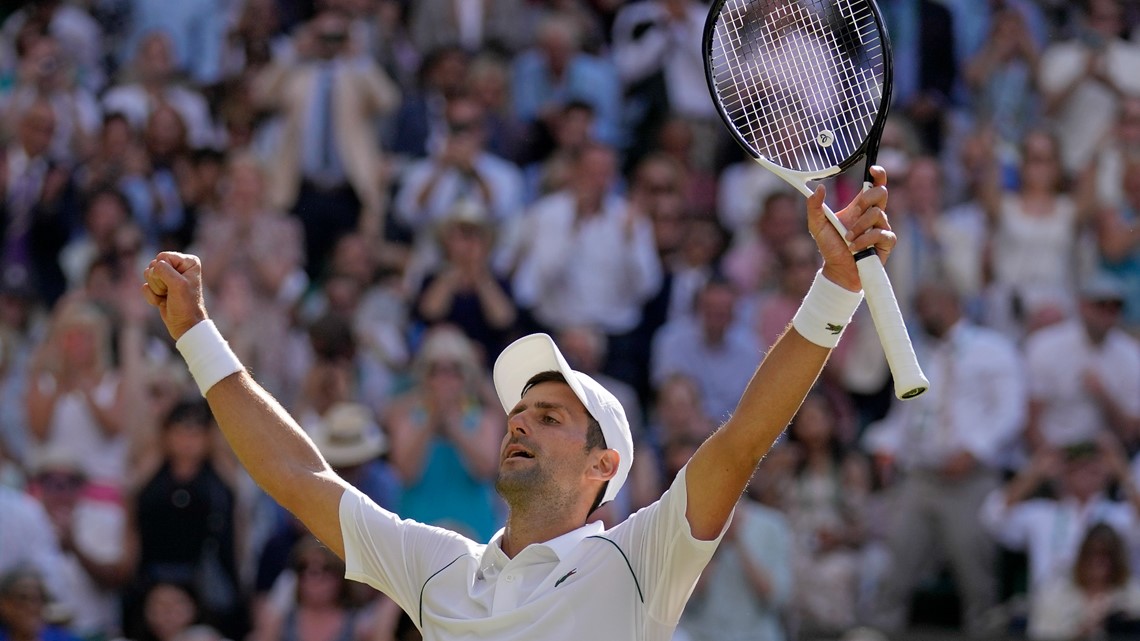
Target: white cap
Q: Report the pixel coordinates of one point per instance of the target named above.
(537, 353)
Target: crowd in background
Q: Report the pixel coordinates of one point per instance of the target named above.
(384, 193)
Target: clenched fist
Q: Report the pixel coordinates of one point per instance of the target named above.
(174, 285)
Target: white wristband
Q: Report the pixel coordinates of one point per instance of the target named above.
(825, 312)
(207, 354)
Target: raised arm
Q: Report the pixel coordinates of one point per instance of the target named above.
(722, 466)
(267, 441)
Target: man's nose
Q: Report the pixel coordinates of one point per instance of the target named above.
(516, 425)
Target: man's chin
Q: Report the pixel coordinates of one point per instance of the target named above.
(516, 478)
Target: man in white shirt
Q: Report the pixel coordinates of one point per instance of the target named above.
(713, 348)
(548, 574)
(587, 257)
(1084, 373)
(1050, 530)
(948, 446)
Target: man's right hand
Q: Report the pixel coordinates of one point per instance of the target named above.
(174, 285)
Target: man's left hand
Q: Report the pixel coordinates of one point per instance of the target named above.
(867, 226)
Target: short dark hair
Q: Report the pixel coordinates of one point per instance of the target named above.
(595, 439)
(192, 410)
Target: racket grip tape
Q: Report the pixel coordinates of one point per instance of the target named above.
(908, 376)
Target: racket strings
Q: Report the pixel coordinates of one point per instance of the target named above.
(801, 84)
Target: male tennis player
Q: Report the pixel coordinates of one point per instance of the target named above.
(547, 574)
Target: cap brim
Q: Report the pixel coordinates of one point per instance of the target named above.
(524, 358)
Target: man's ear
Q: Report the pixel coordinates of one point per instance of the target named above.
(605, 465)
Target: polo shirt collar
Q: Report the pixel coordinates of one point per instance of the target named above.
(561, 546)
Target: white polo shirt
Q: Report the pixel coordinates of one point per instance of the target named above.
(630, 582)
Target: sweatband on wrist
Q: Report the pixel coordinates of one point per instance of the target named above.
(825, 312)
(207, 354)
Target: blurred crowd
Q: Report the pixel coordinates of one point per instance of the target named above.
(384, 193)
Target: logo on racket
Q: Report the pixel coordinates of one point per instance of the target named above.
(824, 138)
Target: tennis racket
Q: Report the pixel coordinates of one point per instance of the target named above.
(804, 85)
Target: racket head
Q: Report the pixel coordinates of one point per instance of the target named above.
(803, 86)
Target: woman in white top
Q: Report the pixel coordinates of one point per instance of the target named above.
(1098, 599)
(1033, 256)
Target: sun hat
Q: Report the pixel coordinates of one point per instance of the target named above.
(349, 435)
(537, 353)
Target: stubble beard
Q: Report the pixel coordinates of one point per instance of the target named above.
(519, 486)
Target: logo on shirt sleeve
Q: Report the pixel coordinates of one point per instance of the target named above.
(834, 329)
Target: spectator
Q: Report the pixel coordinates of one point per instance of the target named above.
(47, 74)
(1050, 529)
(934, 244)
(419, 124)
(743, 185)
(35, 221)
(326, 168)
(463, 291)
(28, 541)
(557, 72)
(590, 236)
(751, 262)
(106, 166)
(24, 608)
(1094, 387)
(585, 351)
(461, 169)
(926, 65)
(1001, 75)
(1083, 80)
(489, 82)
(321, 606)
(196, 29)
(352, 442)
(550, 170)
(950, 445)
(74, 396)
(80, 37)
(827, 511)
(169, 610)
(713, 348)
(183, 529)
(89, 529)
(1118, 238)
(797, 263)
(154, 83)
(106, 211)
(693, 243)
(445, 439)
(473, 26)
(746, 590)
(1039, 219)
(152, 180)
(1119, 149)
(22, 324)
(1099, 599)
(657, 50)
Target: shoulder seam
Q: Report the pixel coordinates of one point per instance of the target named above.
(424, 587)
(636, 583)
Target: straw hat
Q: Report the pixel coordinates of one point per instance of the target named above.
(349, 435)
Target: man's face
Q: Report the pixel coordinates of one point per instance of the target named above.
(544, 451)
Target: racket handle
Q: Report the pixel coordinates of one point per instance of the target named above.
(909, 379)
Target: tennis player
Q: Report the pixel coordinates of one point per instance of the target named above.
(548, 575)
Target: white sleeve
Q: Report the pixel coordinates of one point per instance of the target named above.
(665, 557)
(394, 555)
(1009, 525)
